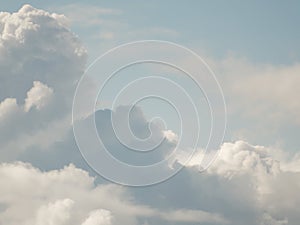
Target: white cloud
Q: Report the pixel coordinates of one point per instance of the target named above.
(41, 60)
(57, 213)
(255, 180)
(88, 15)
(241, 157)
(8, 107)
(99, 217)
(193, 216)
(265, 90)
(171, 136)
(69, 196)
(66, 196)
(38, 96)
(261, 99)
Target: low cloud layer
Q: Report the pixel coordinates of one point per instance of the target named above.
(69, 196)
(246, 184)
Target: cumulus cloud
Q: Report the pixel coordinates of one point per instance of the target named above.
(41, 61)
(99, 217)
(259, 183)
(8, 107)
(69, 196)
(38, 96)
(57, 213)
(241, 157)
(258, 173)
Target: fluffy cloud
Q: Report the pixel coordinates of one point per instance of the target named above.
(57, 213)
(38, 96)
(99, 217)
(41, 61)
(8, 107)
(247, 183)
(69, 196)
(258, 184)
(241, 157)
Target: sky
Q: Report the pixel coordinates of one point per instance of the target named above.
(142, 113)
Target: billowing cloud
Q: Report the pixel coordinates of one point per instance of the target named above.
(41, 61)
(69, 196)
(260, 174)
(38, 96)
(241, 157)
(57, 213)
(258, 184)
(99, 217)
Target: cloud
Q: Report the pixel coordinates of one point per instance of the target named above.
(127, 128)
(8, 107)
(267, 193)
(38, 96)
(69, 196)
(41, 61)
(269, 220)
(193, 216)
(99, 217)
(88, 15)
(259, 183)
(108, 24)
(262, 99)
(65, 196)
(263, 89)
(241, 157)
(57, 213)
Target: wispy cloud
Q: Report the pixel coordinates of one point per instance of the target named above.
(87, 15)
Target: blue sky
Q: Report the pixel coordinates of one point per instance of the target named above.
(264, 32)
